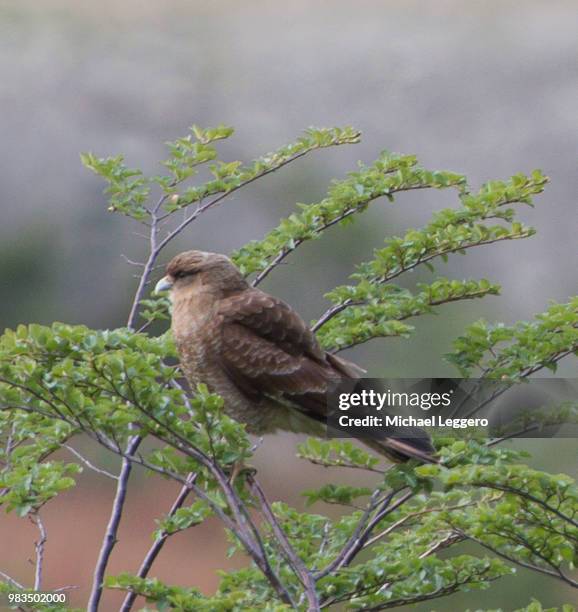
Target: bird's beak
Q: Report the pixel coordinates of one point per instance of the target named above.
(163, 285)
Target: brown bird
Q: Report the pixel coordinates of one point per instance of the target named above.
(258, 354)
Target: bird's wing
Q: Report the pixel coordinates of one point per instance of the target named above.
(266, 348)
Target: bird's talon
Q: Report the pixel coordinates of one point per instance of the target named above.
(238, 469)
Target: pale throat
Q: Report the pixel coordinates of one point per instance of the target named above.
(192, 308)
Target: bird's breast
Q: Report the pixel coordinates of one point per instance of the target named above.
(199, 350)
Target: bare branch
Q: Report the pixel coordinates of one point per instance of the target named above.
(145, 276)
(242, 531)
(39, 547)
(159, 542)
(110, 537)
(352, 541)
(301, 571)
(241, 516)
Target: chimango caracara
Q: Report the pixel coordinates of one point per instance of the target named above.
(258, 354)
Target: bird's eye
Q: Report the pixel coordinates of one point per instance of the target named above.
(183, 273)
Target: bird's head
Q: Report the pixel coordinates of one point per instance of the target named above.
(198, 270)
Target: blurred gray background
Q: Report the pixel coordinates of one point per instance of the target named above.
(484, 88)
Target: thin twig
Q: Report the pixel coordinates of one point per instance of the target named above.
(66, 587)
(324, 541)
(139, 264)
(411, 515)
(404, 317)
(365, 526)
(336, 309)
(84, 460)
(511, 436)
(445, 542)
(352, 466)
(9, 443)
(11, 580)
(556, 572)
(353, 539)
(283, 253)
(451, 538)
(532, 498)
(387, 507)
(441, 592)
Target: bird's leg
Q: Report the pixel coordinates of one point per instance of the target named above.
(239, 468)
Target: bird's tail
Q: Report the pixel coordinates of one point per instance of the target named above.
(404, 449)
(398, 444)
